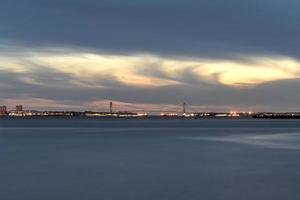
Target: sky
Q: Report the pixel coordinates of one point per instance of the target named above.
(215, 55)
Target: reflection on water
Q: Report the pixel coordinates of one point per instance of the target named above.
(277, 141)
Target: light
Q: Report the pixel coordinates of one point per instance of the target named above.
(168, 114)
(234, 114)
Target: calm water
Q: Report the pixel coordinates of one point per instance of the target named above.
(85, 159)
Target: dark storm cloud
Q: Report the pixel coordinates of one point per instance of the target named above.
(202, 28)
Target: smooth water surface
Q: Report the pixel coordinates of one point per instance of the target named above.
(135, 159)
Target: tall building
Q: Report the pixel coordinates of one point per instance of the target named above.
(19, 108)
(110, 107)
(184, 108)
(3, 110)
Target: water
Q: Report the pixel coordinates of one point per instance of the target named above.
(153, 159)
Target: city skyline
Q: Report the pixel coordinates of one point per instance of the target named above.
(111, 107)
(162, 114)
(104, 106)
(150, 55)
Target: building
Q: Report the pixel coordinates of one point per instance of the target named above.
(19, 112)
(19, 108)
(110, 107)
(3, 110)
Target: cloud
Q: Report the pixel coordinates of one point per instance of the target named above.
(220, 54)
(145, 70)
(80, 78)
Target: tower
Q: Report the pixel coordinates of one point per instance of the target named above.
(183, 107)
(110, 107)
(3, 110)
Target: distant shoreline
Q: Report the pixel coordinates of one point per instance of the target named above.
(255, 116)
